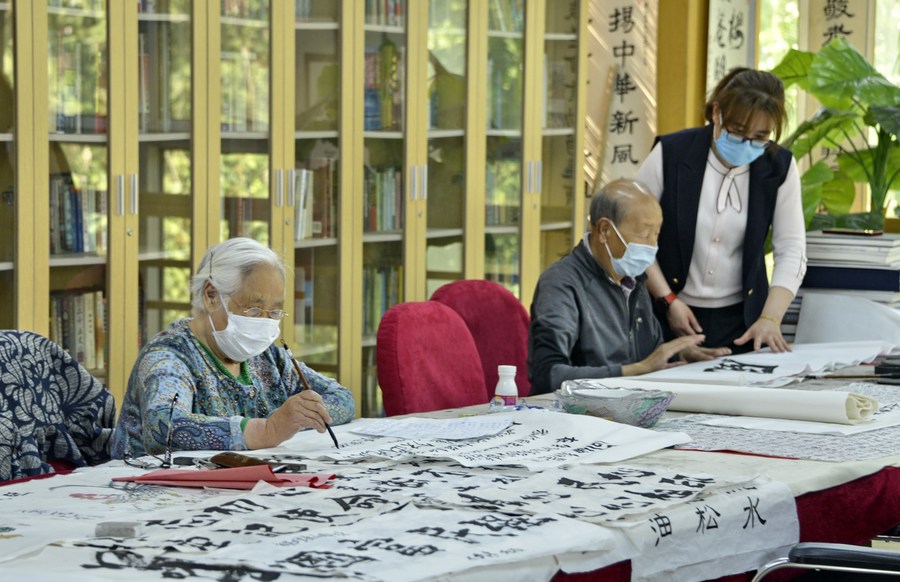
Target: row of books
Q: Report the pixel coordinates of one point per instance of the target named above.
(383, 89)
(78, 324)
(250, 9)
(502, 181)
(154, 6)
(861, 264)
(384, 12)
(315, 213)
(381, 290)
(161, 107)
(78, 86)
(383, 206)
(303, 303)
(77, 216)
(559, 90)
(91, 5)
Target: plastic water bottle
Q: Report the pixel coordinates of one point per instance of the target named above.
(506, 394)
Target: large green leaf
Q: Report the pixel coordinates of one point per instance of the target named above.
(839, 73)
(794, 68)
(851, 166)
(811, 188)
(812, 199)
(887, 117)
(817, 174)
(838, 193)
(826, 123)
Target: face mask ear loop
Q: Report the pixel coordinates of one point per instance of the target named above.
(618, 234)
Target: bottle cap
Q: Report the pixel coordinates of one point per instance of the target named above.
(506, 370)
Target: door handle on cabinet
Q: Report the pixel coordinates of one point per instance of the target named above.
(412, 183)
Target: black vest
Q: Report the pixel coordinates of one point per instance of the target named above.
(684, 163)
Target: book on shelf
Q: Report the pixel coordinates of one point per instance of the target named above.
(99, 329)
(558, 78)
(79, 339)
(78, 323)
(878, 249)
(77, 215)
(90, 346)
(143, 83)
(303, 301)
(852, 277)
(303, 215)
(371, 91)
(323, 187)
(65, 215)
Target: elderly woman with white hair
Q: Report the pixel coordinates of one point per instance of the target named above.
(216, 381)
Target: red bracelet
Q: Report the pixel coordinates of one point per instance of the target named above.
(670, 298)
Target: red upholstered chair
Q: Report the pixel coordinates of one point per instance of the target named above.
(426, 359)
(499, 325)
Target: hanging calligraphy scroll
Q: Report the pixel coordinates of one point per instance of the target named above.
(621, 110)
(731, 41)
(822, 22)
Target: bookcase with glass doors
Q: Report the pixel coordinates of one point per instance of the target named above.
(382, 148)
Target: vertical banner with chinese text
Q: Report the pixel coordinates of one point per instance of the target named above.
(621, 108)
(732, 38)
(822, 21)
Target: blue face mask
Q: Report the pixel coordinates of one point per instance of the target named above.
(635, 261)
(735, 149)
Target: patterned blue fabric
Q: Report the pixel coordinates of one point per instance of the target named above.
(51, 408)
(210, 403)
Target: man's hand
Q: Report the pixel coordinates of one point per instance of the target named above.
(300, 411)
(682, 320)
(765, 331)
(660, 357)
(699, 354)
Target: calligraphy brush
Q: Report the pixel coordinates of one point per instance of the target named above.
(306, 386)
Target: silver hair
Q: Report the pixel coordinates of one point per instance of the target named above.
(227, 265)
(613, 200)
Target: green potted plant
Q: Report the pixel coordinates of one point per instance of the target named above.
(858, 122)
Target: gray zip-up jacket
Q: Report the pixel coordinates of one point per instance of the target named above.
(581, 325)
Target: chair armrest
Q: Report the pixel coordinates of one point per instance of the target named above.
(845, 556)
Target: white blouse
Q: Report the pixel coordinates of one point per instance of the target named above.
(714, 277)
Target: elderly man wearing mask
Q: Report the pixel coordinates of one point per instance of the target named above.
(592, 316)
(217, 381)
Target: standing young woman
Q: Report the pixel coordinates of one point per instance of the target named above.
(721, 188)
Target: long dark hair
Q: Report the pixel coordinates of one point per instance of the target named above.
(743, 93)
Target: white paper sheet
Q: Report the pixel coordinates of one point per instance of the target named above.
(536, 439)
(826, 315)
(470, 427)
(774, 369)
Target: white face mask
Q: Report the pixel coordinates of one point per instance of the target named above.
(637, 257)
(245, 337)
